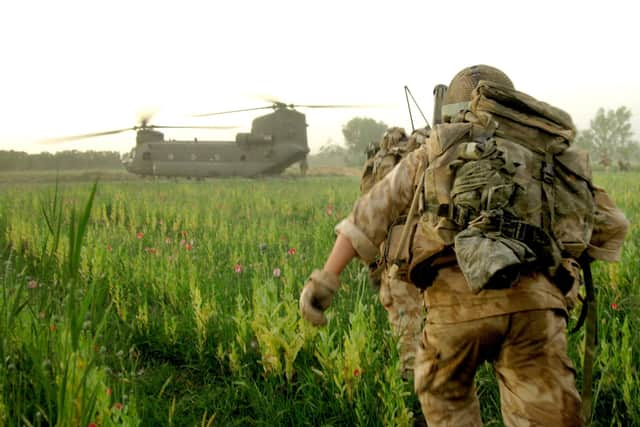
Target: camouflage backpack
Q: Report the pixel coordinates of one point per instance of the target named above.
(383, 156)
(505, 191)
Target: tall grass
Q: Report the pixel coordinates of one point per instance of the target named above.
(164, 303)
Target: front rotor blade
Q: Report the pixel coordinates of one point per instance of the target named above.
(193, 127)
(231, 111)
(83, 136)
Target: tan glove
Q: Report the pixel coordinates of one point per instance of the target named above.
(317, 295)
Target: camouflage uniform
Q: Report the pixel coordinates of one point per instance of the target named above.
(464, 329)
(400, 298)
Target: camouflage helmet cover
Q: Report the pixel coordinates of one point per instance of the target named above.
(459, 92)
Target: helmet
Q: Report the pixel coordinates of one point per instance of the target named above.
(459, 93)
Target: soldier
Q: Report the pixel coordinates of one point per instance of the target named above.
(400, 298)
(491, 250)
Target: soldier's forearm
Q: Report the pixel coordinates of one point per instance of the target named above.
(341, 254)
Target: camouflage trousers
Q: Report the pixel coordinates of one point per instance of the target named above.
(529, 355)
(404, 305)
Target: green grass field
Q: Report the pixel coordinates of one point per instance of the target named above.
(175, 303)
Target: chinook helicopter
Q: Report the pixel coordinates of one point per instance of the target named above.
(277, 140)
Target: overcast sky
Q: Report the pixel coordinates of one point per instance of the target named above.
(71, 67)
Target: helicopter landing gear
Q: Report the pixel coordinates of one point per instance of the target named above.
(304, 166)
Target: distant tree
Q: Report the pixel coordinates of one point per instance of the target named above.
(358, 133)
(609, 136)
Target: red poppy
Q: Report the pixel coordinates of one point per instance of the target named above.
(139, 234)
(329, 209)
(188, 246)
(109, 248)
(614, 306)
(92, 425)
(152, 251)
(238, 268)
(291, 251)
(118, 406)
(109, 391)
(356, 372)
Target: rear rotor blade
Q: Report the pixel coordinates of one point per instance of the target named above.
(335, 106)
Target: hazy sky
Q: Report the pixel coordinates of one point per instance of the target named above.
(72, 67)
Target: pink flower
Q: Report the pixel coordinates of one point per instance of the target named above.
(238, 268)
(291, 251)
(614, 306)
(139, 235)
(329, 209)
(183, 242)
(276, 272)
(32, 284)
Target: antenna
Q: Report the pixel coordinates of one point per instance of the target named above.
(407, 94)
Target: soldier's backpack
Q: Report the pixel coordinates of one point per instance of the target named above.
(381, 159)
(505, 191)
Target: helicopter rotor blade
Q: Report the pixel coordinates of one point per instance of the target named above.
(83, 136)
(231, 111)
(191, 127)
(335, 106)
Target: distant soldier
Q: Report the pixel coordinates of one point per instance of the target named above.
(605, 161)
(624, 165)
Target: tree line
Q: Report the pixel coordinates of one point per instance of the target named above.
(62, 160)
(609, 139)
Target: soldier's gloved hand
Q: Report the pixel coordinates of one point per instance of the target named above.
(317, 295)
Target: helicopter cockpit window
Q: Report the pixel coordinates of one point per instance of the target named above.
(146, 155)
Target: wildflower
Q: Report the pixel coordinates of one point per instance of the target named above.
(32, 284)
(238, 268)
(291, 251)
(356, 372)
(109, 391)
(151, 251)
(183, 242)
(276, 272)
(118, 406)
(167, 241)
(139, 235)
(53, 327)
(109, 248)
(329, 210)
(188, 246)
(93, 425)
(614, 306)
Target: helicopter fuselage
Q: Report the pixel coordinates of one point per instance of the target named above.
(276, 141)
